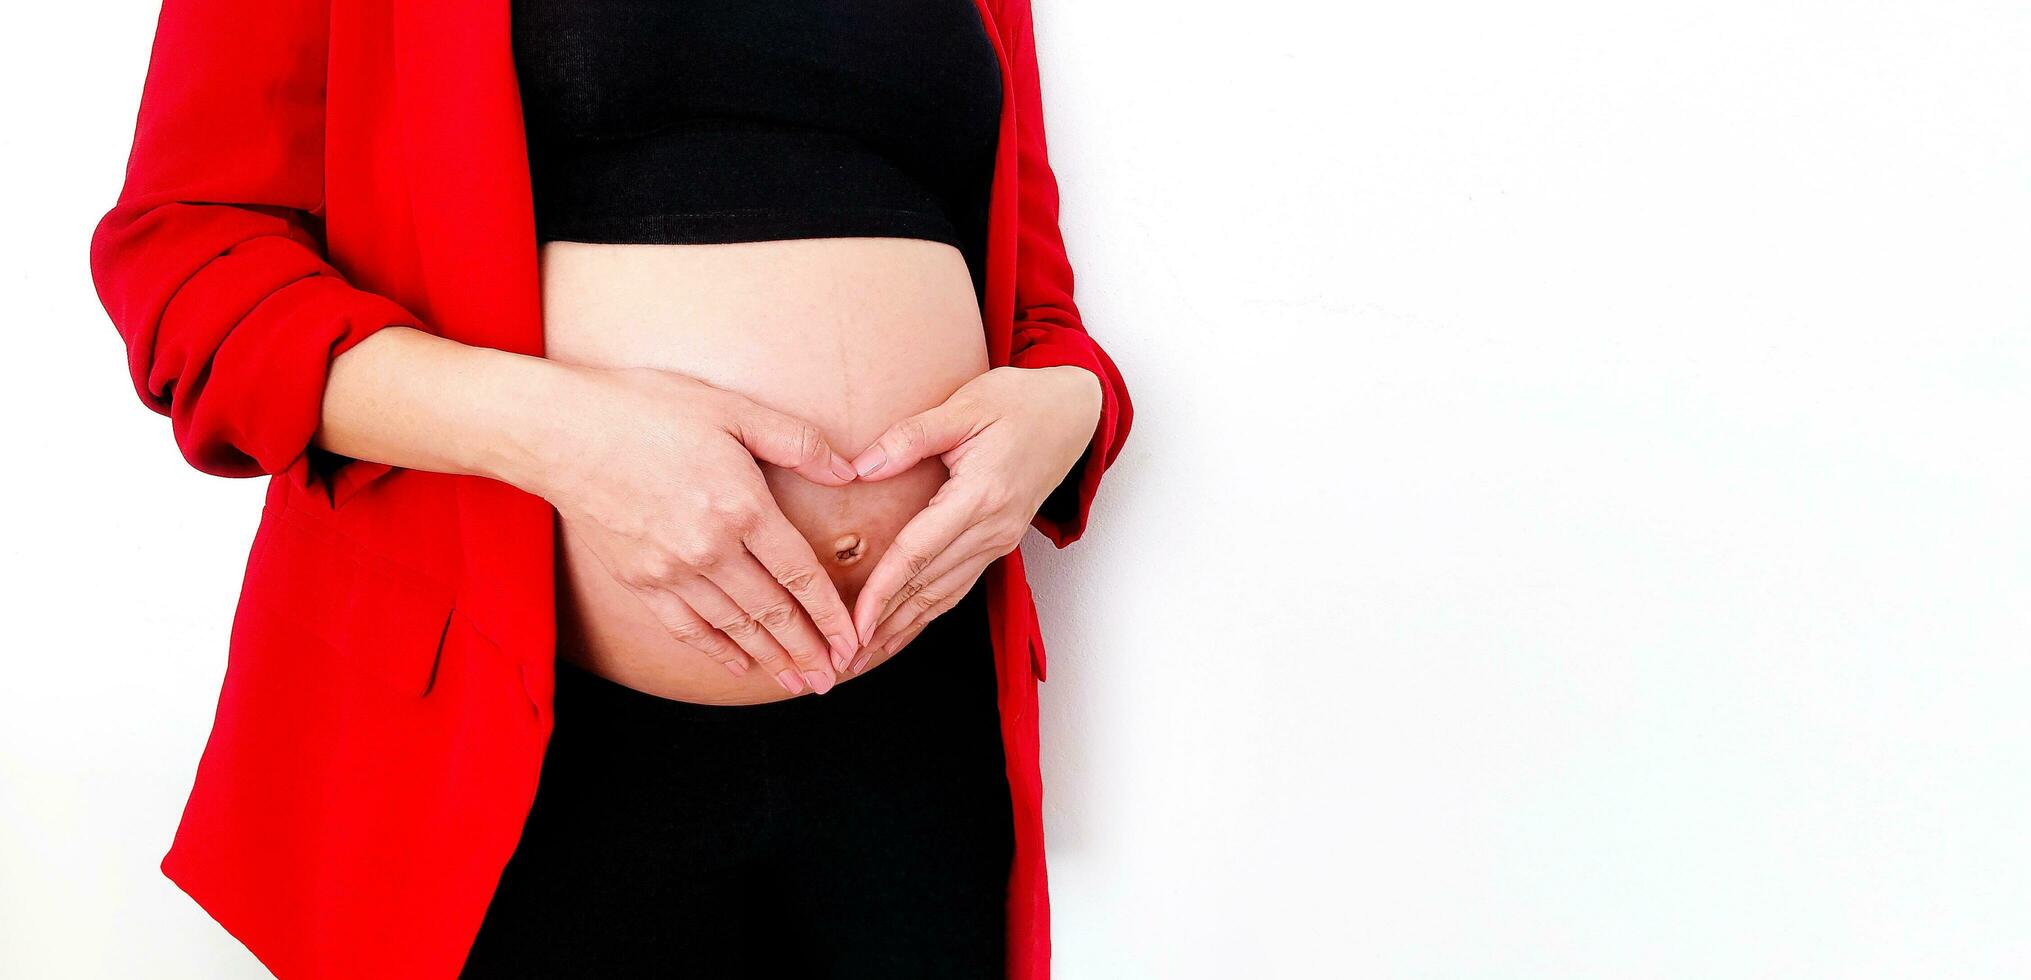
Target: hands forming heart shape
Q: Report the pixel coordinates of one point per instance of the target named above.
(678, 511)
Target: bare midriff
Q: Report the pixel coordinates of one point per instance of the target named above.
(849, 334)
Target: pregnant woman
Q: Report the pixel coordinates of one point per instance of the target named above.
(656, 393)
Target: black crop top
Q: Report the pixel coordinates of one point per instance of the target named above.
(738, 120)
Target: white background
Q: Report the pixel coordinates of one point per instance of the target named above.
(1575, 524)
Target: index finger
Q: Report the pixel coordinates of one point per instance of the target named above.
(789, 557)
(915, 547)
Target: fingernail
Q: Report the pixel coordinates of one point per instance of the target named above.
(884, 648)
(842, 651)
(841, 468)
(866, 633)
(866, 654)
(820, 680)
(788, 678)
(736, 668)
(871, 461)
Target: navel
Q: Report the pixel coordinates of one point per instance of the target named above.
(848, 549)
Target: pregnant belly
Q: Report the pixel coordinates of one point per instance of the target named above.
(849, 334)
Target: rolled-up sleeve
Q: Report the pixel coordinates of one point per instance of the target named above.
(211, 263)
(1048, 328)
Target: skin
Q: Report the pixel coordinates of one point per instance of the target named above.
(773, 463)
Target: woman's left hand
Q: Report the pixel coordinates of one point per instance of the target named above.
(1007, 438)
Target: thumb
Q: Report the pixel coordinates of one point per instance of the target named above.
(792, 444)
(911, 441)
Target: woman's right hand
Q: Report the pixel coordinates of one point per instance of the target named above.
(659, 469)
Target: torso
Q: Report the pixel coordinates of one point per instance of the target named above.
(788, 200)
(850, 334)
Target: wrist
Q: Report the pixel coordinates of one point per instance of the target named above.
(1084, 394)
(521, 414)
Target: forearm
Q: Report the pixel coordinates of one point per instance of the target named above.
(411, 399)
(656, 471)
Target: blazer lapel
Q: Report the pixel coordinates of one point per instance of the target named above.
(998, 303)
(467, 170)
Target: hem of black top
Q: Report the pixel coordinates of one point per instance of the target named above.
(733, 225)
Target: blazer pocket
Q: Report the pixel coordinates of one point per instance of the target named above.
(1036, 642)
(379, 617)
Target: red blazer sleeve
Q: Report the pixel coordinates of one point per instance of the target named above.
(211, 264)
(1048, 330)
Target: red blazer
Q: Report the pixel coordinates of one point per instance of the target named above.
(302, 174)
